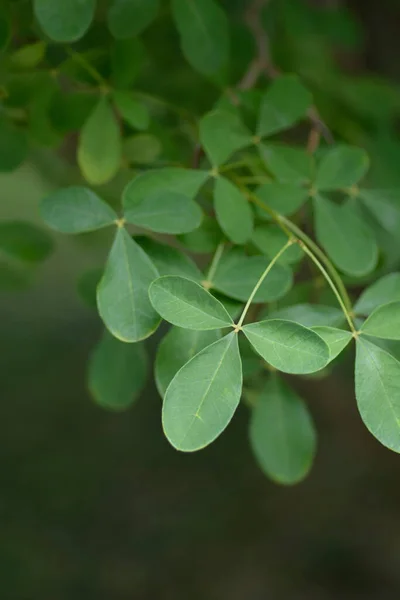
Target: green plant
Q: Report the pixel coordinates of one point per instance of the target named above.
(290, 221)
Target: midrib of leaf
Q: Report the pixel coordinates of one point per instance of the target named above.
(276, 343)
(195, 307)
(197, 415)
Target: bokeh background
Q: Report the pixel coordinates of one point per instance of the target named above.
(98, 506)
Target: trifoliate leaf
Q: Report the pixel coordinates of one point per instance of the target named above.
(203, 29)
(221, 135)
(386, 289)
(176, 349)
(122, 296)
(284, 103)
(185, 303)
(64, 21)
(384, 322)
(282, 434)
(100, 146)
(233, 211)
(202, 397)
(378, 391)
(341, 167)
(76, 210)
(117, 373)
(346, 238)
(128, 18)
(288, 346)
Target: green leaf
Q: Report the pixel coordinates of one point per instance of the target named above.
(288, 164)
(203, 29)
(164, 212)
(221, 135)
(127, 59)
(282, 434)
(142, 149)
(117, 373)
(269, 239)
(237, 274)
(202, 397)
(169, 260)
(76, 210)
(288, 346)
(185, 303)
(384, 322)
(68, 112)
(284, 103)
(176, 349)
(341, 167)
(233, 211)
(186, 182)
(100, 146)
(64, 21)
(87, 286)
(24, 241)
(378, 392)
(29, 56)
(310, 315)
(13, 146)
(384, 205)
(128, 18)
(205, 239)
(346, 238)
(134, 112)
(284, 198)
(336, 339)
(386, 289)
(122, 295)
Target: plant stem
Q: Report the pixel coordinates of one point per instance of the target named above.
(215, 261)
(263, 276)
(331, 283)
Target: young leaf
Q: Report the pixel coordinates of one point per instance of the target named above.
(64, 21)
(122, 295)
(176, 349)
(185, 303)
(204, 239)
(310, 315)
(202, 397)
(346, 238)
(164, 212)
(134, 112)
(282, 433)
(76, 210)
(386, 289)
(384, 322)
(288, 346)
(233, 211)
(13, 146)
(100, 147)
(336, 339)
(285, 198)
(221, 135)
(203, 29)
(169, 260)
(384, 205)
(117, 372)
(128, 18)
(269, 239)
(237, 274)
(284, 103)
(288, 164)
(378, 392)
(24, 241)
(341, 167)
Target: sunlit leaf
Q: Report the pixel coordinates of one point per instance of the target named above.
(122, 295)
(282, 434)
(202, 397)
(185, 303)
(288, 346)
